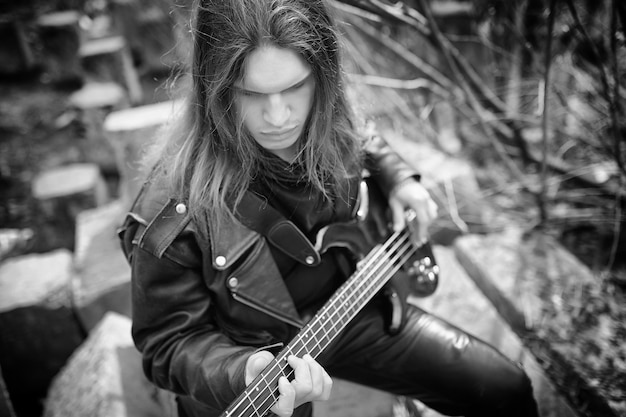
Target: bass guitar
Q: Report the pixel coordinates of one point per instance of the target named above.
(397, 256)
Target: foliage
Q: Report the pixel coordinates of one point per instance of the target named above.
(548, 102)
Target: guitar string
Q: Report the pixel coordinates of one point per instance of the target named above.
(365, 268)
(344, 292)
(281, 368)
(322, 320)
(267, 402)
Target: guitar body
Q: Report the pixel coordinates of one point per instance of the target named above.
(385, 261)
(418, 277)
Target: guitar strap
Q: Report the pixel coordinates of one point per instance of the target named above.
(258, 215)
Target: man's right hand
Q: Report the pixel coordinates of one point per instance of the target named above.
(310, 383)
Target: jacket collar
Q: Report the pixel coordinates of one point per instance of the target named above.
(230, 242)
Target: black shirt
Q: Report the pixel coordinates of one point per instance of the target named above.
(286, 189)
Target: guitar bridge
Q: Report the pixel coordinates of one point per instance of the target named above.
(424, 276)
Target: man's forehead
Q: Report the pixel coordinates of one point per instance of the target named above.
(271, 70)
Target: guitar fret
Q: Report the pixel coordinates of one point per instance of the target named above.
(325, 330)
(267, 385)
(254, 408)
(296, 348)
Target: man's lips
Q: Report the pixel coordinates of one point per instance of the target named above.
(280, 132)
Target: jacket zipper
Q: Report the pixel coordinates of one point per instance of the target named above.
(252, 304)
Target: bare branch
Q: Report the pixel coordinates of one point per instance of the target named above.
(409, 57)
(617, 137)
(356, 11)
(541, 198)
(414, 84)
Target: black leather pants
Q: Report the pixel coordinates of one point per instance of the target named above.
(432, 361)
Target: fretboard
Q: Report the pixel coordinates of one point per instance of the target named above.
(371, 275)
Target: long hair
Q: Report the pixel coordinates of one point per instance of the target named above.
(209, 159)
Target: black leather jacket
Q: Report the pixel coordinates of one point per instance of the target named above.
(201, 307)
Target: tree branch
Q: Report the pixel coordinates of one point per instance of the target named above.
(542, 197)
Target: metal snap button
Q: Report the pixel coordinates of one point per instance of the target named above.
(233, 282)
(220, 261)
(181, 208)
(309, 260)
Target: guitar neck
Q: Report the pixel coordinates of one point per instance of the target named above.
(372, 274)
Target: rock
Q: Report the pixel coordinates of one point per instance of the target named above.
(109, 60)
(35, 280)
(101, 282)
(130, 131)
(61, 194)
(39, 331)
(104, 378)
(556, 306)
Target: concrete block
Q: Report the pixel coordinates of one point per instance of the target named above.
(104, 378)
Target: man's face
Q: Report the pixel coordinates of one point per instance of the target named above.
(274, 98)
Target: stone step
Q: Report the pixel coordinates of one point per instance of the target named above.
(61, 193)
(101, 280)
(104, 378)
(99, 95)
(109, 60)
(542, 292)
(39, 330)
(91, 104)
(130, 131)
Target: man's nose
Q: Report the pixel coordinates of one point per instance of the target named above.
(277, 111)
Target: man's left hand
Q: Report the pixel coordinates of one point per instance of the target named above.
(412, 195)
